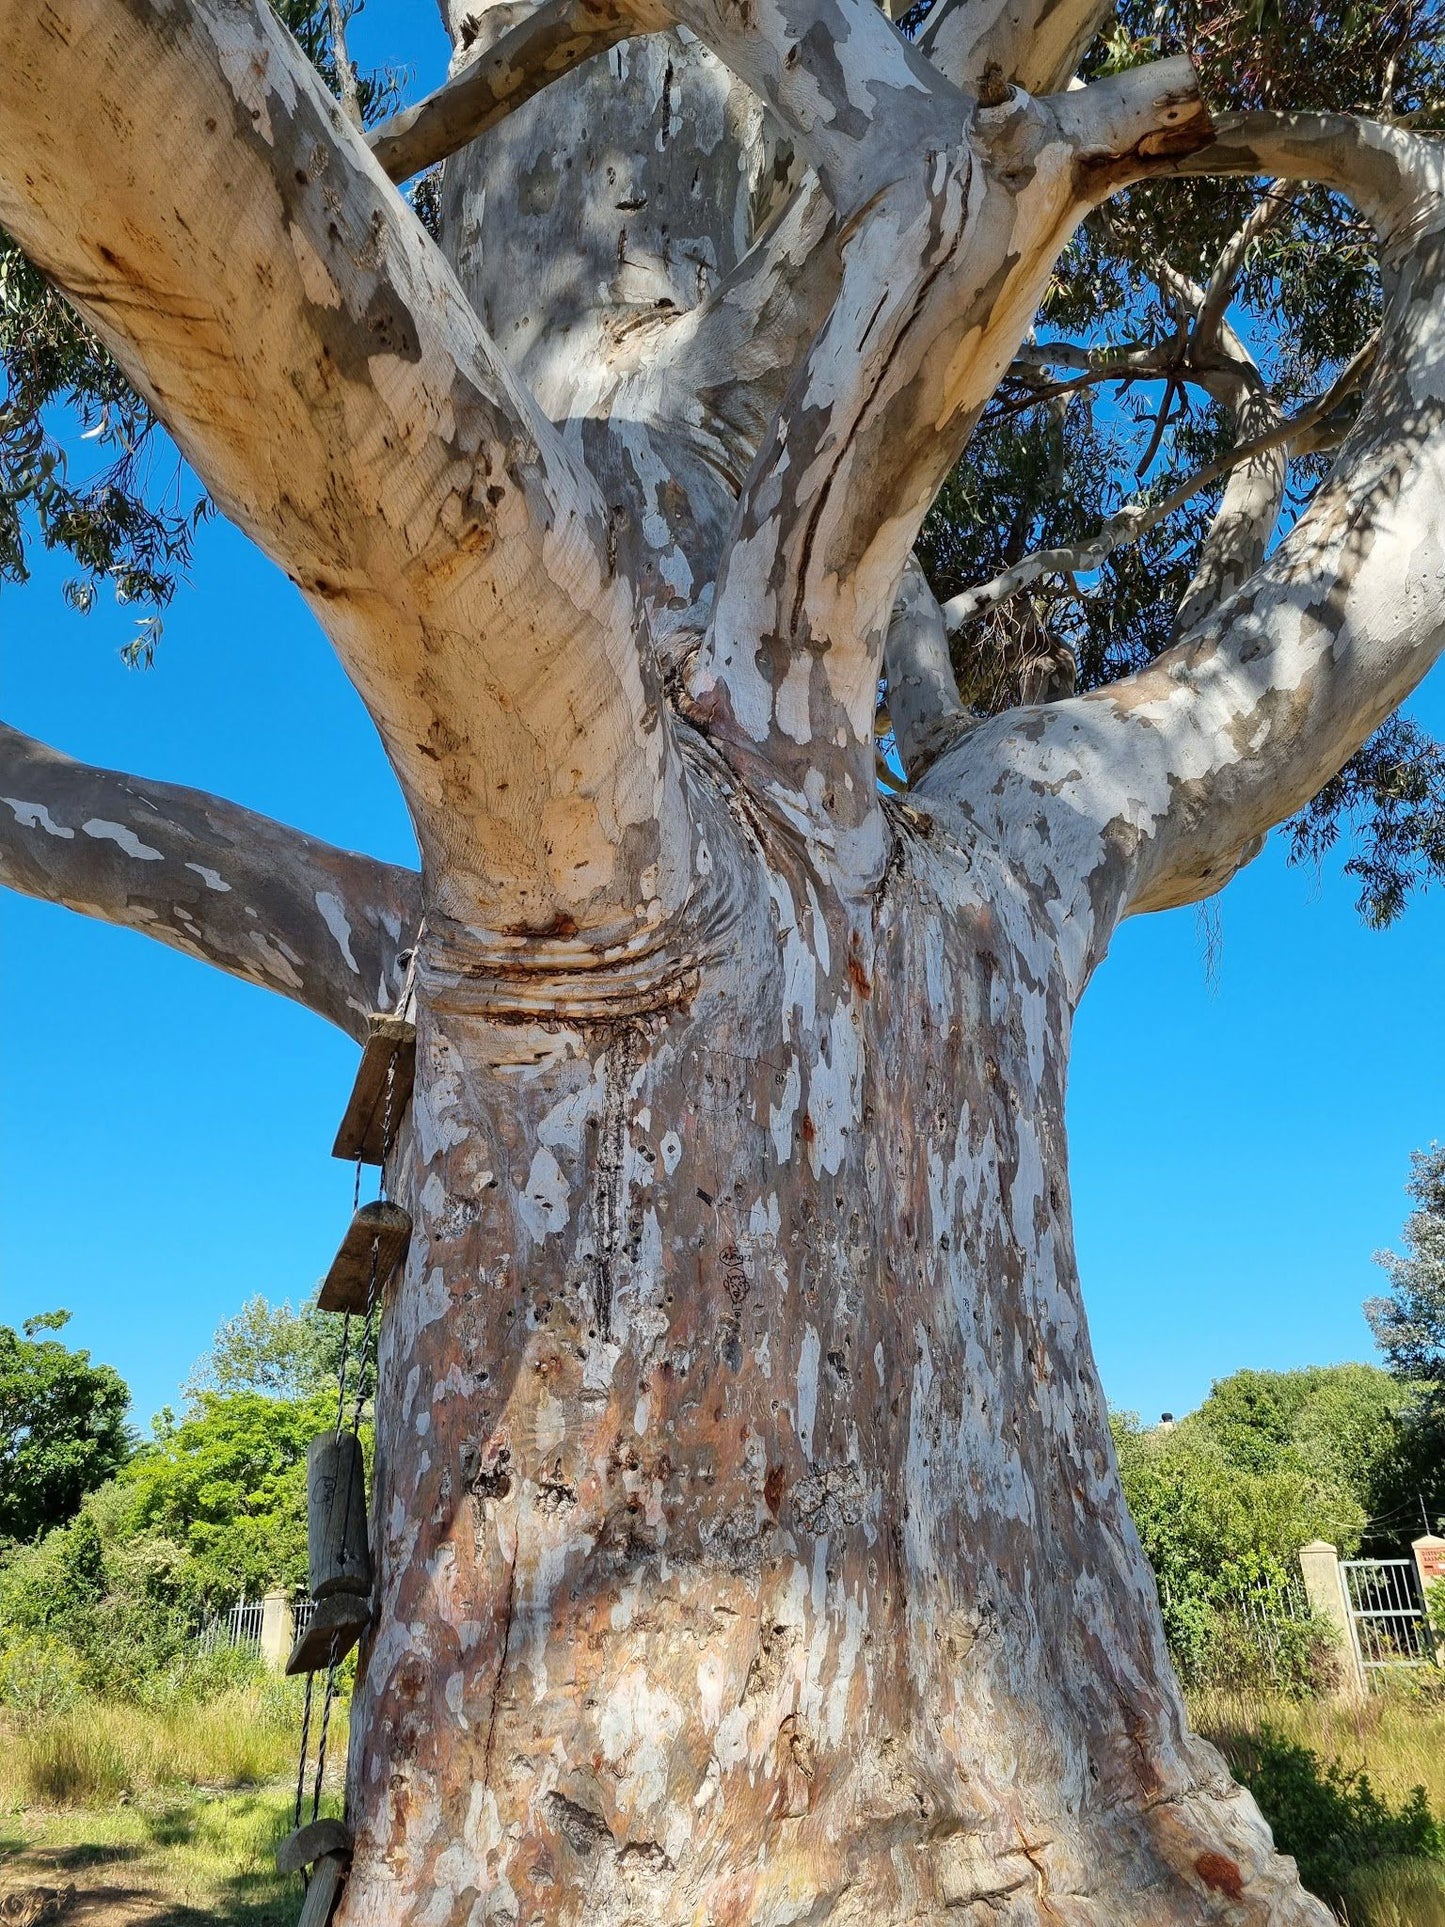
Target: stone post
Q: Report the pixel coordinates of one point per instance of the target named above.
(1325, 1589)
(278, 1629)
(1430, 1564)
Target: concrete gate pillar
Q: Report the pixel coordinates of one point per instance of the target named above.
(1325, 1589)
(278, 1629)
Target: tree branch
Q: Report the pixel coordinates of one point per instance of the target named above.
(941, 276)
(549, 41)
(345, 72)
(258, 900)
(1172, 776)
(1036, 47)
(1135, 519)
(1278, 198)
(184, 176)
(722, 372)
(924, 704)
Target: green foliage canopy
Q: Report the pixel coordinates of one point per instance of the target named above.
(62, 1427)
(1224, 1500)
(111, 1599)
(1409, 1321)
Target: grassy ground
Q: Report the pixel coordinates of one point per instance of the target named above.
(1398, 1741)
(158, 1818)
(1353, 1846)
(168, 1818)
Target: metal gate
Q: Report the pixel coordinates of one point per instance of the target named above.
(1387, 1615)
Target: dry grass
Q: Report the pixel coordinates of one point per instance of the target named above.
(1401, 1893)
(159, 1818)
(1397, 1738)
(100, 1752)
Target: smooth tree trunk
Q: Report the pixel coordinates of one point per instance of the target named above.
(747, 1539)
(751, 1541)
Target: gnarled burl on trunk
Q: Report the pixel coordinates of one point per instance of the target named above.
(748, 1545)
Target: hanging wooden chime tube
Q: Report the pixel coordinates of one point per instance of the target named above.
(336, 1516)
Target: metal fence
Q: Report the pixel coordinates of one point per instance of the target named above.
(241, 1624)
(1387, 1614)
(1268, 1619)
(1266, 1614)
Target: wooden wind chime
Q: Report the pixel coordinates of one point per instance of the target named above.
(338, 1553)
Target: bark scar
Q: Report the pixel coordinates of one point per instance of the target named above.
(509, 1613)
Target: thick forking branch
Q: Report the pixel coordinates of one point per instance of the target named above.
(1173, 774)
(260, 901)
(311, 352)
(886, 396)
(717, 374)
(721, 372)
(548, 42)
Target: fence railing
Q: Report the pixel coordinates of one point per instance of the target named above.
(1266, 1616)
(1387, 1614)
(241, 1624)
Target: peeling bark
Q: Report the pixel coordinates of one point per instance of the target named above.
(285, 315)
(256, 899)
(748, 1545)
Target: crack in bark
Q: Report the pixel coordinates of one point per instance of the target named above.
(508, 1615)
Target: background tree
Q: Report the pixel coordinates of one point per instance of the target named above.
(748, 1539)
(228, 1485)
(271, 1350)
(1409, 1321)
(212, 1510)
(62, 1427)
(1352, 1429)
(1409, 1327)
(1270, 1460)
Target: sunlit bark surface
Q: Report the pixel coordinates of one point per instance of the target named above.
(748, 1540)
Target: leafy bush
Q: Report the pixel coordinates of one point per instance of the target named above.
(1222, 1533)
(1330, 1817)
(1435, 1610)
(39, 1677)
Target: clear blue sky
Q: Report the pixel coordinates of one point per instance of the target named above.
(1239, 1149)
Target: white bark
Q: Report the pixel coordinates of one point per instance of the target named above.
(268, 292)
(262, 902)
(748, 1542)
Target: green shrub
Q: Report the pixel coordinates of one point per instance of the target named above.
(1329, 1817)
(39, 1677)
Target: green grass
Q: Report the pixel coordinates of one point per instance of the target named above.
(196, 1855)
(160, 1816)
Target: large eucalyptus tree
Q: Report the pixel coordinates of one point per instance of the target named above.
(749, 1542)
